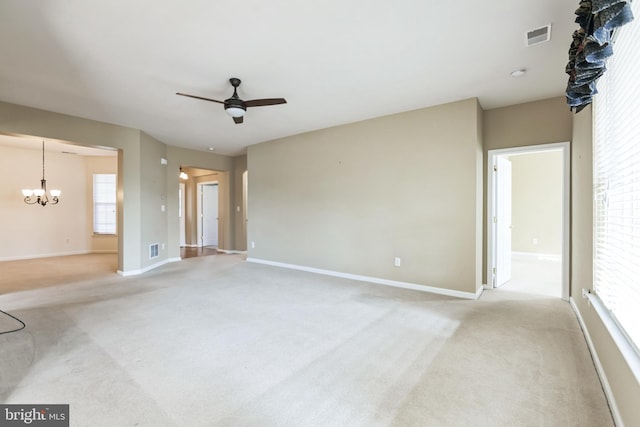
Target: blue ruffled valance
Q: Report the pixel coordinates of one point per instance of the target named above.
(591, 46)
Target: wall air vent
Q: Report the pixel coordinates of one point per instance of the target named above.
(539, 35)
(153, 251)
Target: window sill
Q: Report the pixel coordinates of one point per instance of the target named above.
(622, 342)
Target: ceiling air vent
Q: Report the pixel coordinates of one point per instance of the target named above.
(539, 35)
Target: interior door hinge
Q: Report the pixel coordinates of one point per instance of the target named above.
(495, 219)
(494, 270)
(495, 168)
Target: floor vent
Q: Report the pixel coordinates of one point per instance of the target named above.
(153, 251)
(539, 35)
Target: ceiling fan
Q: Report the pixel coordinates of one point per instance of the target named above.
(235, 106)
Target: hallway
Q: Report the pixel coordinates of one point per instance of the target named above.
(190, 252)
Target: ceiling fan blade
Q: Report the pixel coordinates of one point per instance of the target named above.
(238, 120)
(264, 102)
(200, 97)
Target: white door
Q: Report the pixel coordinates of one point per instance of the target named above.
(209, 214)
(502, 221)
(181, 215)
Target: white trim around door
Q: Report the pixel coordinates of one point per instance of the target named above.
(492, 155)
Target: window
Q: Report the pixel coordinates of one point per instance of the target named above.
(104, 203)
(616, 175)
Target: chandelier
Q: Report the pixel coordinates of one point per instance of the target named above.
(39, 196)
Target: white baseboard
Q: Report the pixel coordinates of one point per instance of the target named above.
(149, 268)
(394, 283)
(599, 368)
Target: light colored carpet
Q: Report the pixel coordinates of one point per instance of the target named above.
(216, 341)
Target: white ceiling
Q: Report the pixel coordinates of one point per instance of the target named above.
(335, 61)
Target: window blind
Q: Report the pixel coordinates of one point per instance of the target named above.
(104, 203)
(616, 175)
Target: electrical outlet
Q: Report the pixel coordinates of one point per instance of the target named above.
(253, 245)
(535, 241)
(397, 261)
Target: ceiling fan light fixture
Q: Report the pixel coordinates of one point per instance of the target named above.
(236, 107)
(235, 111)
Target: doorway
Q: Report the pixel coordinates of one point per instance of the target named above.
(208, 214)
(528, 219)
(203, 224)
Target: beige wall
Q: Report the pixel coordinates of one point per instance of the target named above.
(239, 203)
(533, 123)
(62, 229)
(537, 202)
(94, 165)
(35, 231)
(625, 387)
(352, 198)
(153, 209)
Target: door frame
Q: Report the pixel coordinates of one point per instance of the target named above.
(199, 223)
(245, 209)
(565, 147)
(182, 213)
